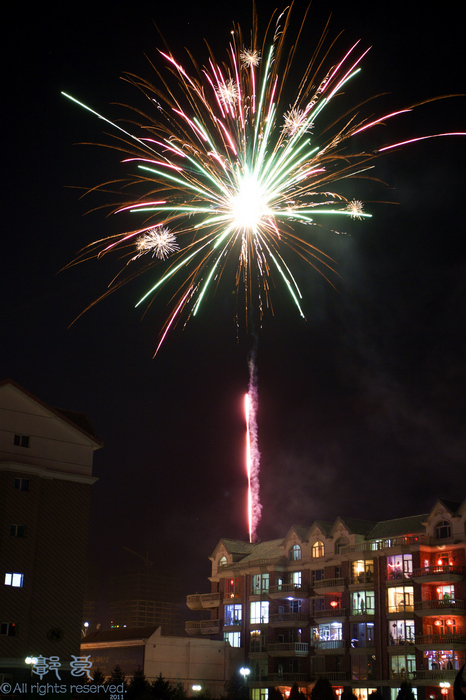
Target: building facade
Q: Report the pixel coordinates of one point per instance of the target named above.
(198, 664)
(46, 458)
(364, 604)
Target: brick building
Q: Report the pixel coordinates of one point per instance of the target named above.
(364, 604)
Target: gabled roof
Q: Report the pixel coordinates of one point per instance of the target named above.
(356, 526)
(266, 550)
(323, 525)
(78, 421)
(234, 547)
(300, 530)
(413, 524)
(452, 506)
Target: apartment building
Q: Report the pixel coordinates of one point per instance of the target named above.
(364, 604)
(46, 458)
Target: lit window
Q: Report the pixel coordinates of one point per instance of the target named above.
(8, 629)
(15, 580)
(362, 571)
(400, 599)
(260, 584)
(318, 549)
(295, 552)
(401, 632)
(233, 614)
(21, 440)
(222, 561)
(233, 638)
(362, 603)
(259, 612)
(443, 530)
(18, 530)
(22, 484)
(399, 566)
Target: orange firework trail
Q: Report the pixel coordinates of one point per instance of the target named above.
(252, 452)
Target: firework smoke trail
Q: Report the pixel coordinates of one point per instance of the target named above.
(252, 451)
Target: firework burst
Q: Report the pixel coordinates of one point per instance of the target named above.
(236, 177)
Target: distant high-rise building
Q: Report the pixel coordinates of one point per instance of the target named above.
(46, 458)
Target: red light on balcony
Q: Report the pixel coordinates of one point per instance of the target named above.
(444, 691)
(438, 623)
(334, 604)
(450, 622)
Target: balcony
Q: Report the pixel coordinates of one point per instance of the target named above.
(439, 574)
(332, 675)
(325, 646)
(288, 590)
(288, 678)
(439, 607)
(389, 543)
(203, 601)
(292, 620)
(331, 613)
(437, 675)
(439, 642)
(289, 649)
(196, 628)
(331, 585)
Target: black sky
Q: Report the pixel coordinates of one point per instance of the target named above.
(362, 407)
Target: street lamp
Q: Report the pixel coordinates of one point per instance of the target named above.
(245, 673)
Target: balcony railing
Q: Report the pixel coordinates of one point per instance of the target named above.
(388, 543)
(203, 601)
(329, 644)
(332, 675)
(298, 648)
(287, 677)
(329, 583)
(439, 605)
(330, 612)
(445, 640)
(289, 588)
(288, 617)
(439, 570)
(437, 675)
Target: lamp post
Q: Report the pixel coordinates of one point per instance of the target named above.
(245, 673)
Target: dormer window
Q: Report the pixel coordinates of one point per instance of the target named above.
(222, 561)
(318, 549)
(295, 553)
(443, 530)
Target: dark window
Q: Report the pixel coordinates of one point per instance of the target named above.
(8, 629)
(21, 484)
(18, 530)
(443, 530)
(21, 440)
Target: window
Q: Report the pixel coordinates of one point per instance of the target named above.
(257, 641)
(259, 693)
(447, 659)
(317, 575)
(362, 571)
(295, 578)
(446, 593)
(8, 629)
(400, 599)
(318, 604)
(318, 549)
(18, 530)
(260, 584)
(362, 634)
(21, 484)
(362, 603)
(259, 612)
(21, 440)
(233, 587)
(222, 561)
(443, 530)
(328, 635)
(403, 667)
(400, 632)
(295, 553)
(233, 615)
(362, 668)
(295, 606)
(399, 566)
(340, 544)
(233, 638)
(15, 580)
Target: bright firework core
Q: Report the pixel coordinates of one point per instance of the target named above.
(249, 206)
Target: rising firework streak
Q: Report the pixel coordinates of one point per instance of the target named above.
(252, 453)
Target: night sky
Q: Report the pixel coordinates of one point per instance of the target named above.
(361, 407)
